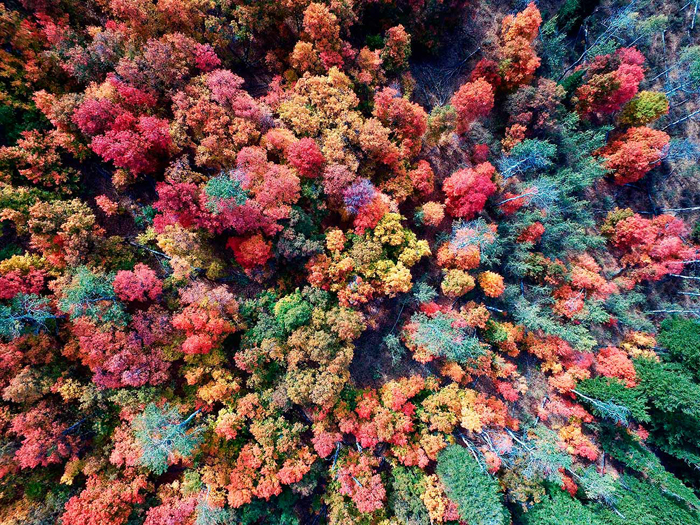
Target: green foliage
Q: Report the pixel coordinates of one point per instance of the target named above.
(553, 46)
(534, 316)
(573, 81)
(278, 512)
(626, 449)
(223, 191)
(473, 490)
(610, 398)
(91, 295)
(442, 339)
(597, 486)
(163, 436)
(682, 339)
(396, 350)
(642, 503)
(669, 388)
(672, 396)
(528, 156)
(9, 249)
(144, 217)
(26, 313)
(572, 12)
(405, 499)
(423, 292)
(559, 508)
(292, 311)
(625, 308)
(543, 457)
(15, 120)
(209, 515)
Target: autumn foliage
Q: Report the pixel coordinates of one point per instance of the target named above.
(337, 263)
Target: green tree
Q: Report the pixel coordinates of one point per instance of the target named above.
(681, 337)
(442, 339)
(610, 398)
(472, 489)
(163, 435)
(91, 295)
(26, 313)
(559, 508)
(405, 499)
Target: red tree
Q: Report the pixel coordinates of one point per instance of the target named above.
(613, 80)
(468, 189)
(139, 285)
(306, 158)
(472, 100)
(634, 154)
(104, 502)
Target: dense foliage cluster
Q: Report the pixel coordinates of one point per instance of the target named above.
(306, 262)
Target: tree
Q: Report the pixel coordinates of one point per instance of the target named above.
(527, 156)
(164, 437)
(474, 491)
(681, 337)
(140, 285)
(635, 153)
(104, 501)
(216, 118)
(306, 158)
(26, 313)
(359, 481)
(468, 189)
(405, 498)
(613, 80)
(518, 60)
(250, 252)
(491, 283)
(135, 144)
(559, 508)
(610, 398)
(644, 108)
(45, 439)
(91, 295)
(472, 100)
(397, 48)
(440, 335)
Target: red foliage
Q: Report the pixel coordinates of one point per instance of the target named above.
(18, 281)
(206, 320)
(44, 439)
(518, 60)
(468, 189)
(135, 144)
(532, 233)
(359, 481)
(613, 80)
(422, 177)
(139, 285)
(271, 188)
(652, 248)
(118, 359)
(487, 70)
(613, 362)
(371, 213)
(407, 120)
(635, 153)
(306, 158)
(250, 252)
(104, 502)
(473, 100)
(173, 511)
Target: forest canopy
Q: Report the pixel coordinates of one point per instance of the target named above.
(373, 262)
